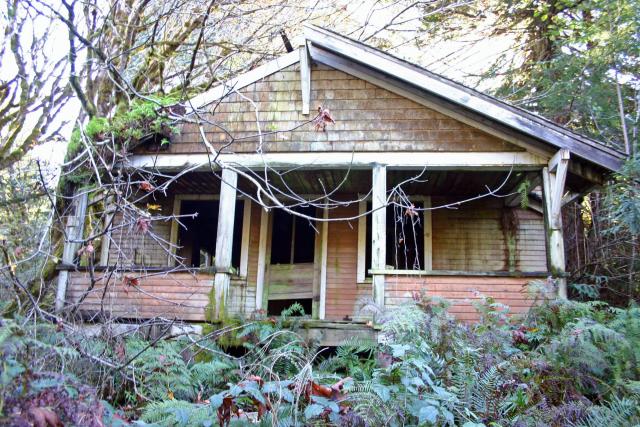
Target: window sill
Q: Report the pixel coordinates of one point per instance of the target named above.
(391, 272)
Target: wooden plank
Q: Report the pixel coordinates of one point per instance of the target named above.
(362, 241)
(74, 231)
(305, 78)
(262, 258)
(379, 229)
(427, 234)
(246, 235)
(244, 80)
(323, 266)
(355, 160)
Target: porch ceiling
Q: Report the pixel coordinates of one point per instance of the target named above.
(343, 182)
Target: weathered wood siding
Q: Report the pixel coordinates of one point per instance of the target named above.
(368, 118)
(461, 292)
(343, 291)
(129, 247)
(473, 238)
(177, 295)
(291, 281)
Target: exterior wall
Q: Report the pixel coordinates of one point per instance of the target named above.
(343, 291)
(473, 238)
(180, 295)
(128, 247)
(461, 292)
(368, 118)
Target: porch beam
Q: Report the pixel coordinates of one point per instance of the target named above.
(224, 241)
(74, 230)
(379, 230)
(517, 160)
(305, 78)
(553, 188)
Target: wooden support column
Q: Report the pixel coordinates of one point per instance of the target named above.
(262, 258)
(553, 180)
(323, 266)
(224, 242)
(246, 236)
(362, 242)
(379, 230)
(74, 231)
(305, 78)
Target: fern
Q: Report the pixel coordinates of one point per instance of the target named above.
(619, 412)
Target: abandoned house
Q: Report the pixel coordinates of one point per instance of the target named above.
(462, 158)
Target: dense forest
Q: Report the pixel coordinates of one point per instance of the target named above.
(81, 83)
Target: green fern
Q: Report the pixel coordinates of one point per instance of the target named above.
(619, 412)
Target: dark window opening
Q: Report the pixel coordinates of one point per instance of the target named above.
(405, 238)
(197, 239)
(276, 307)
(293, 237)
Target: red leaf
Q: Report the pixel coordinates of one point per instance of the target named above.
(130, 281)
(321, 120)
(146, 186)
(143, 225)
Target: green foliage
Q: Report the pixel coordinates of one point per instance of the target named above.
(623, 199)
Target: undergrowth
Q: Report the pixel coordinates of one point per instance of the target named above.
(565, 363)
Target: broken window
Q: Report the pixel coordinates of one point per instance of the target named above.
(405, 238)
(293, 237)
(197, 239)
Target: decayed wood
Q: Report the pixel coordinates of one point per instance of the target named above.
(291, 281)
(175, 295)
(224, 241)
(73, 230)
(379, 229)
(553, 190)
(461, 292)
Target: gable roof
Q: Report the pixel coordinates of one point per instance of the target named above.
(430, 89)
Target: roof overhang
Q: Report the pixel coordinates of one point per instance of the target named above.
(530, 131)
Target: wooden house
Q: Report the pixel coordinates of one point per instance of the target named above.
(393, 121)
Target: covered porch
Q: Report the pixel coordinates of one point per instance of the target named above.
(466, 237)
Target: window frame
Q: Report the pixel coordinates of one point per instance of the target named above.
(244, 236)
(362, 270)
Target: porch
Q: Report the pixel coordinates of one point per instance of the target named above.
(264, 261)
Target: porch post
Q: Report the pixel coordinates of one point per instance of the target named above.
(379, 230)
(224, 241)
(553, 180)
(74, 231)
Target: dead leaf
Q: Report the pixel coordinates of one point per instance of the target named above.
(146, 186)
(143, 225)
(321, 120)
(153, 207)
(44, 417)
